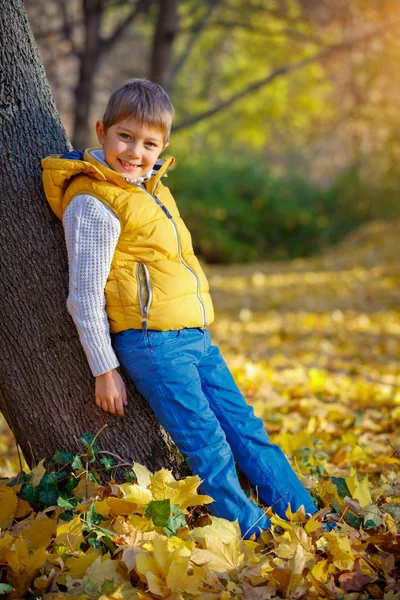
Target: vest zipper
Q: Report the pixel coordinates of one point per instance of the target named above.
(171, 220)
(144, 309)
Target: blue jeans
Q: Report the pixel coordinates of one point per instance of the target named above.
(194, 396)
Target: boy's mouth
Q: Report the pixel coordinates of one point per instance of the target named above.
(128, 166)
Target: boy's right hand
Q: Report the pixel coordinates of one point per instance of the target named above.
(111, 392)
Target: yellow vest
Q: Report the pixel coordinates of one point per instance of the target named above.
(155, 280)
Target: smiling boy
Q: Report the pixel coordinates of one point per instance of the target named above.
(138, 292)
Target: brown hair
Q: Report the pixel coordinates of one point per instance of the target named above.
(145, 101)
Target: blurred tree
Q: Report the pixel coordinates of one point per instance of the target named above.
(46, 389)
(224, 64)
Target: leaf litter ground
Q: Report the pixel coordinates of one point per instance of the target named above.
(315, 347)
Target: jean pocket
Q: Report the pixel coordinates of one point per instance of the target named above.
(164, 338)
(126, 339)
(131, 363)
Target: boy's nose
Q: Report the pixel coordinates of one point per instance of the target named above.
(133, 150)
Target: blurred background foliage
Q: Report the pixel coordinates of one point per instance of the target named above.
(286, 110)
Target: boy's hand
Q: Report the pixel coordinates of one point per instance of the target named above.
(111, 392)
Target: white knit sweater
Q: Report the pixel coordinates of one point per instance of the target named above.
(91, 233)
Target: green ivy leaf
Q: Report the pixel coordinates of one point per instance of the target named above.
(21, 477)
(77, 463)
(71, 484)
(109, 544)
(61, 458)
(130, 477)
(89, 515)
(66, 517)
(92, 477)
(176, 520)
(87, 438)
(6, 589)
(30, 494)
(341, 486)
(108, 586)
(370, 524)
(107, 463)
(49, 480)
(159, 511)
(353, 520)
(93, 540)
(67, 503)
(48, 496)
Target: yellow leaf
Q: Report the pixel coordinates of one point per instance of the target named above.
(78, 565)
(119, 506)
(102, 508)
(145, 563)
(339, 547)
(298, 516)
(312, 525)
(105, 568)
(159, 484)
(142, 523)
(35, 561)
(23, 509)
(39, 532)
(20, 560)
(156, 585)
(143, 475)
(8, 505)
(136, 493)
(219, 556)
(220, 528)
(321, 571)
(178, 579)
(37, 474)
(5, 544)
(184, 493)
(70, 534)
(359, 489)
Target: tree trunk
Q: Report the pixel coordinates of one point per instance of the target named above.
(46, 388)
(92, 13)
(163, 40)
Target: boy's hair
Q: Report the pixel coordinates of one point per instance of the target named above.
(144, 100)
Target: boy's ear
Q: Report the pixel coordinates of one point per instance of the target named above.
(100, 132)
(165, 146)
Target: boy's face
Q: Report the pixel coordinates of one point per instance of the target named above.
(129, 147)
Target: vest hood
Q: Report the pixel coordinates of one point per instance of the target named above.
(59, 169)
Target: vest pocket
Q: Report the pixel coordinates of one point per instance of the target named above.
(144, 290)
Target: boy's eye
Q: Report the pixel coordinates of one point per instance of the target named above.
(151, 144)
(125, 136)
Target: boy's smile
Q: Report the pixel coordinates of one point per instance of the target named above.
(131, 148)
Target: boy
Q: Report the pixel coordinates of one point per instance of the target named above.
(135, 282)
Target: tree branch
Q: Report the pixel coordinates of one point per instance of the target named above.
(107, 43)
(196, 32)
(257, 85)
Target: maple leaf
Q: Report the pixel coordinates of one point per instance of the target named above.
(78, 565)
(355, 581)
(340, 548)
(359, 488)
(70, 534)
(37, 473)
(143, 475)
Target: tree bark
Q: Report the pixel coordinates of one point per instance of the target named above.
(164, 35)
(46, 388)
(89, 57)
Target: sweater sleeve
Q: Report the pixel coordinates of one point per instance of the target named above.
(91, 232)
